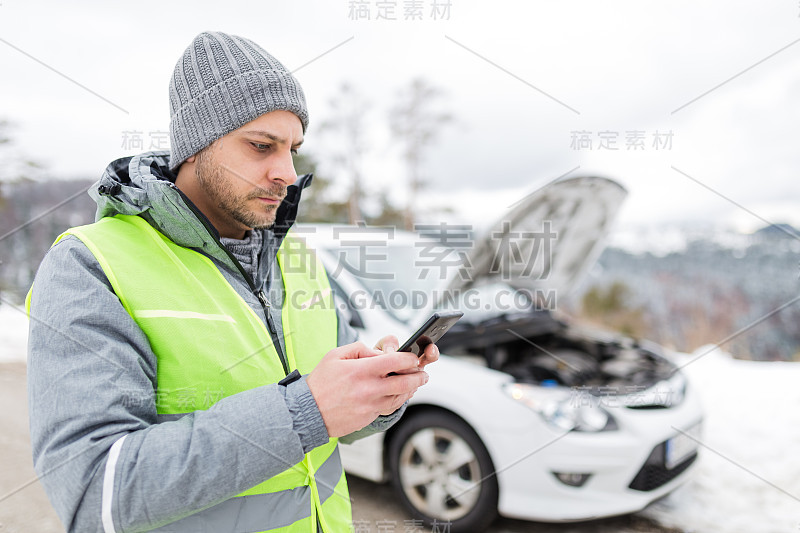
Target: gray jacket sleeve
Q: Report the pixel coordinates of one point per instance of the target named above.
(103, 458)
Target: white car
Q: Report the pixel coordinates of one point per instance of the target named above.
(526, 415)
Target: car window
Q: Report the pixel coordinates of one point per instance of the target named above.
(392, 275)
(401, 282)
(345, 306)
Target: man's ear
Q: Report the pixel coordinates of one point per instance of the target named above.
(191, 158)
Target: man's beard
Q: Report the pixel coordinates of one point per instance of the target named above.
(216, 183)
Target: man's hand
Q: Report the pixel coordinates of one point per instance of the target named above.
(390, 344)
(352, 385)
(429, 355)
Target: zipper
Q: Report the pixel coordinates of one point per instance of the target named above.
(268, 309)
(262, 298)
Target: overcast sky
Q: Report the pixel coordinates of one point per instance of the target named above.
(531, 85)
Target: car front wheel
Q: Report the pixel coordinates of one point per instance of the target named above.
(443, 473)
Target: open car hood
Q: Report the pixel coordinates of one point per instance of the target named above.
(548, 239)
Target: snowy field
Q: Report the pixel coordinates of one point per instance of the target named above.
(748, 477)
(13, 333)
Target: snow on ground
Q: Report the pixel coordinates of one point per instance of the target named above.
(13, 333)
(751, 431)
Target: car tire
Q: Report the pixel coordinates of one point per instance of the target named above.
(443, 473)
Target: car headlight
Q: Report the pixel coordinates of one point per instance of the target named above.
(561, 409)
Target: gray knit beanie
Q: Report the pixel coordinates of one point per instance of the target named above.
(221, 83)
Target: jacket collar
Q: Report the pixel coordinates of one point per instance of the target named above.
(143, 185)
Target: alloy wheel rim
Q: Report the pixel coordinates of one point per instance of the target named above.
(439, 473)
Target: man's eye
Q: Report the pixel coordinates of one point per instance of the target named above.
(294, 151)
(260, 147)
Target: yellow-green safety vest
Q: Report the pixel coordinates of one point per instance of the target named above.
(210, 344)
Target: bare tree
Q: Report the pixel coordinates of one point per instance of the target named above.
(346, 125)
(416, 120)
(318, 205)
(13, 166)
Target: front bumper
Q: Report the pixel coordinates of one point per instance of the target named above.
(628, 467)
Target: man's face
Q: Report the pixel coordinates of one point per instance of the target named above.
(241, 179)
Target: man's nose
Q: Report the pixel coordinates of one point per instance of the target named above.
(283, 170)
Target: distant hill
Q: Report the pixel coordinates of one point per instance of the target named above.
(781, 231)
(713, 287)
(32, 215)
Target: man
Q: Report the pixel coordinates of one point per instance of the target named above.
(172, 385)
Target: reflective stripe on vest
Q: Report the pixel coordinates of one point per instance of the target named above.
(274, 511)
(210, 344)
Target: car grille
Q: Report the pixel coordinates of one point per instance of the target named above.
(655, 474)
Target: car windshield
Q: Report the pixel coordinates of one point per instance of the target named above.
(392, 275)
(401, 280)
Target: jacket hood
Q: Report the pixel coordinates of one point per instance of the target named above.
(143, 185)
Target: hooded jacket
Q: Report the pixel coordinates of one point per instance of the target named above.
(92, 377)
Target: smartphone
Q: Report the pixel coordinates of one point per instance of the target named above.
(431, 331)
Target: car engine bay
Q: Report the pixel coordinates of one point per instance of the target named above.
(536, 348)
